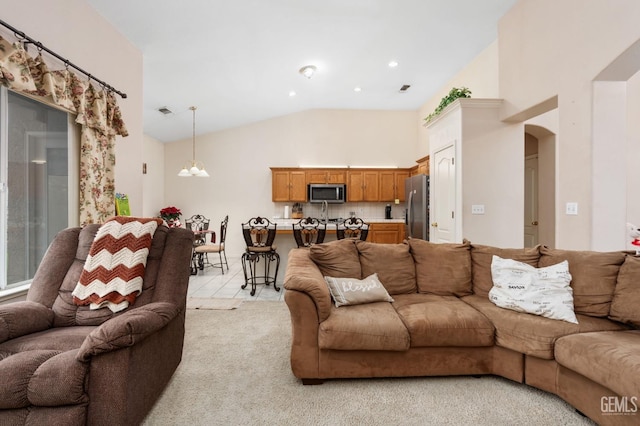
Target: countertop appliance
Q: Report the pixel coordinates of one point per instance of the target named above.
(417, 210)
(331, 193)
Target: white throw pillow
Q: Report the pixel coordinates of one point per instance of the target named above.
(352, 291)
(539, 291)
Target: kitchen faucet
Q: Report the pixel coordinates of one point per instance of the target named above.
(324, 211)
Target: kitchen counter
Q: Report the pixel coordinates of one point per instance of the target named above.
(285, 225)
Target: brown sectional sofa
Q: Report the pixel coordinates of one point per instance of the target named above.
(442, 322)
(64, 364)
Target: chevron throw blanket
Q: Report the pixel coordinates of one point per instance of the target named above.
(114, 269)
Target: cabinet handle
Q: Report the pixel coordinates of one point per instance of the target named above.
(534, 223)
(434, 224)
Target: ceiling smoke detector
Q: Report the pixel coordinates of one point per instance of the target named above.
(165, 110)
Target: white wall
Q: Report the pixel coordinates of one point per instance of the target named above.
(238, 159)
(153, 180)
(77, 32)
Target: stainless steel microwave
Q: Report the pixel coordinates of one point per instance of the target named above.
(331, 193)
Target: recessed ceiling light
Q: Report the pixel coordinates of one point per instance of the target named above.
(164, 110)
(292, 94)
(393, 64)
(357, 89)
(308, 70)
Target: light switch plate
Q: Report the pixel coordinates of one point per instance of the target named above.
(477, 209)
(572, 208)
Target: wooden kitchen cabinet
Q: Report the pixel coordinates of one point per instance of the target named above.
(392, 185)
(363, 185)
(326, 176)
(423, 166)
(288, 185)
(386, 233)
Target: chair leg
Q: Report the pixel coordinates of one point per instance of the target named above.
(275, 275)
(244, 269)
(221, 264)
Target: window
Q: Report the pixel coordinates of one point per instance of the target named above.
(38, 184)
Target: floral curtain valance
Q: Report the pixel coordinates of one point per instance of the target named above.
(96, 111)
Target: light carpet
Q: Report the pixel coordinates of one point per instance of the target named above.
(213, 303)
(235, 371)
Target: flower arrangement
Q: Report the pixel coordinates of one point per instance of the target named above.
(454, 93)
(171, 215)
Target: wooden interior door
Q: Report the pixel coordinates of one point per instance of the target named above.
(443, 185)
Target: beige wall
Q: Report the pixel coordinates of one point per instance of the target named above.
(238, 159)
(547, 57)
(77, 32)
(554, 48)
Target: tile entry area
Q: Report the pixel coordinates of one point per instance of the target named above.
(210, 282)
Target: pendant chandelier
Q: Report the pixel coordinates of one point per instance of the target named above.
(193, 168)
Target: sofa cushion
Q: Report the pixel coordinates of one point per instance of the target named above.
(57, 339)
(625, 306)
(350, 291)
(392, 262)
(532, 334)
(372, 326)
(539, 291)
(434, 320)
(442, 268)
(337, 258)
(593, 275)
(481, 263)
(610, 358)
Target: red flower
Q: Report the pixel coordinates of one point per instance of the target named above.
(170, 213)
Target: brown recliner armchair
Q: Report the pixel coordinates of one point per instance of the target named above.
(65, 364)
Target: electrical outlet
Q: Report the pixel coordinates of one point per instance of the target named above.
(572, 208)
(477, 209)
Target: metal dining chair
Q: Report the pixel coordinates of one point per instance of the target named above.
(213, 247)
(199, 225)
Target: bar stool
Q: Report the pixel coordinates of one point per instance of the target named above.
(259, 234)
(309, 231)
(353, 227)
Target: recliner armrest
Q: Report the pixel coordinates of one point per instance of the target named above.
(21, 318)
(303, 275)
(128, 329)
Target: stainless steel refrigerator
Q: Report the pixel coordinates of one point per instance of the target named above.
(417, 210)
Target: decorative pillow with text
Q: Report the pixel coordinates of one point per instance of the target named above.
(352, 291)
(539, 291)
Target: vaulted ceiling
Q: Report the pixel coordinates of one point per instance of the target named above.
(238, 61)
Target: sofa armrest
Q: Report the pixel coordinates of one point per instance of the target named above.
(127, 329)
(21, 318)
(304, 276)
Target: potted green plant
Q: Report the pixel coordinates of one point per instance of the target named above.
(454, 93)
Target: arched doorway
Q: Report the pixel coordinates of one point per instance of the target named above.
(540, 186)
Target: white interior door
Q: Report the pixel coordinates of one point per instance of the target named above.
(531, 201)
(443, 185)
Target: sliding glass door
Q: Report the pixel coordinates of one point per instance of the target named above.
(35, 164)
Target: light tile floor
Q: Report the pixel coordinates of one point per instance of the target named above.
(210, 282)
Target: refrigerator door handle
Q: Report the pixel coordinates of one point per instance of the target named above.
(410, 215)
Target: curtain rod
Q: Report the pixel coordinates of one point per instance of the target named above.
(40, 46)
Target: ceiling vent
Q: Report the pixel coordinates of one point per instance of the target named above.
(165, 110)
(404, 88)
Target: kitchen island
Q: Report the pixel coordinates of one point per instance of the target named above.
(387, 231)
